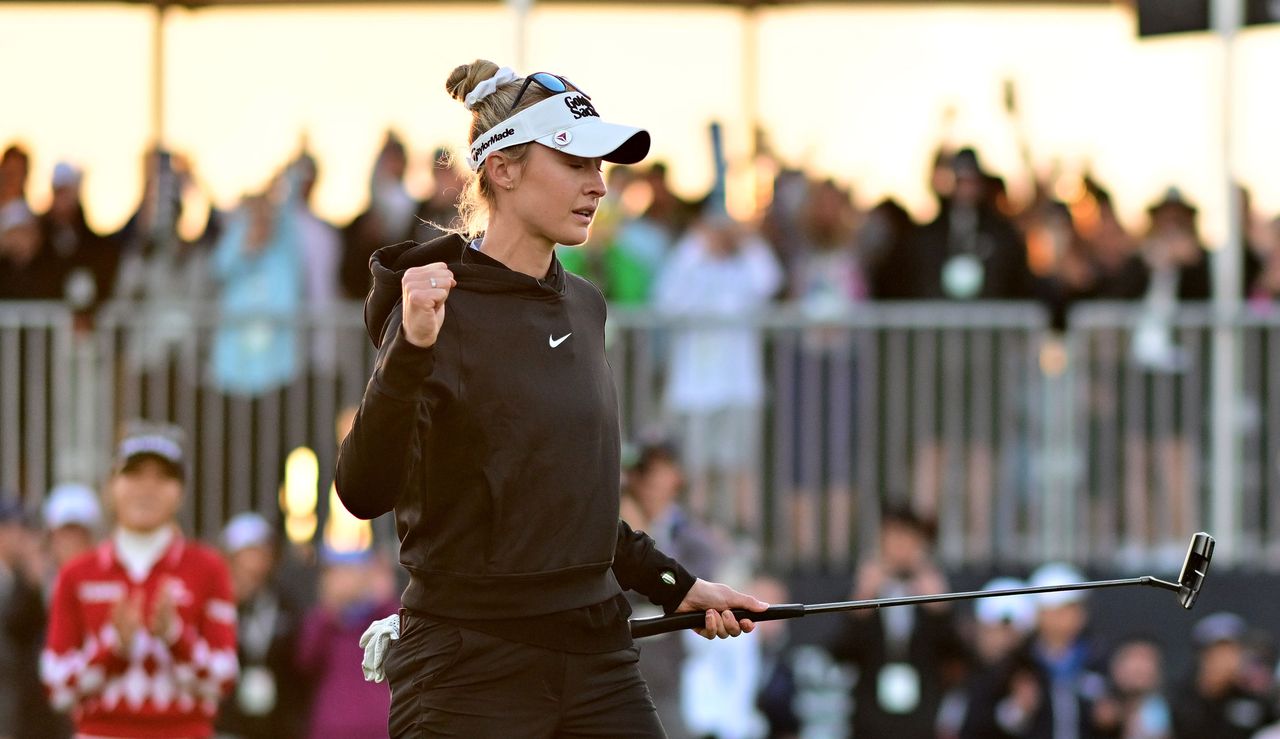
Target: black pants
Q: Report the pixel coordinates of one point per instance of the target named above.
(450, 681)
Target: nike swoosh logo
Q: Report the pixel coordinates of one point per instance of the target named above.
(557, 342)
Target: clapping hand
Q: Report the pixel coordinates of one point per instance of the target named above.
(126, 618)
(164, 614)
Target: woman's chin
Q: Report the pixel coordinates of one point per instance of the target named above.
(573, 236)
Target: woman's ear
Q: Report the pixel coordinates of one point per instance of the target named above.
(503, 172)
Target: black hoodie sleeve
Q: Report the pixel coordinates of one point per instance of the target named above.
(639, 566)
(382, 448)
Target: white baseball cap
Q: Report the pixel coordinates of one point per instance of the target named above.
(566, 122)
(246, 530)
(72, 504)
(1017, 610)
(1057, 573)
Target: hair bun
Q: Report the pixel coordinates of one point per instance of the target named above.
(466, 77)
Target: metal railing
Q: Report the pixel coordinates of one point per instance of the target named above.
(1140, 429)
(1025, 444)
(35, 405)
(933, 404)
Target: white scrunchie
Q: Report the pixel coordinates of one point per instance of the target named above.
(489, 86)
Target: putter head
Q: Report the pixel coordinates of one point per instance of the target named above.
(1194, 568)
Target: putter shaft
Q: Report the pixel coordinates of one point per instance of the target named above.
(642, 627)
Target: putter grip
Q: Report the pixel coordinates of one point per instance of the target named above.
(642, 627)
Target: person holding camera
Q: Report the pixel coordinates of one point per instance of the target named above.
(904, 656)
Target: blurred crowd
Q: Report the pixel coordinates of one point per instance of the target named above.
(272, 259)
(271, 263)
(1016, 666)
(1064, 244)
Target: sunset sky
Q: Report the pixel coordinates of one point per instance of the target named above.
(858, 93)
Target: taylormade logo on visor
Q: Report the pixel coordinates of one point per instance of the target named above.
(478, 151)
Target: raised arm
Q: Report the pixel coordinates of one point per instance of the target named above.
(383, 445)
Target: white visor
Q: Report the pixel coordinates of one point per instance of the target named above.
(566, 122)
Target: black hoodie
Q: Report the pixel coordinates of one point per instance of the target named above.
(498, 447)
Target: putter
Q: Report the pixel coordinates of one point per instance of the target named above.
(1190, 580)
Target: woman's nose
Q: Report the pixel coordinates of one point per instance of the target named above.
(596, 184)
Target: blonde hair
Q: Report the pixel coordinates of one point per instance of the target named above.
(477, 196)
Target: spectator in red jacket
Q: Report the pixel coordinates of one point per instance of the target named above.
(142, 628)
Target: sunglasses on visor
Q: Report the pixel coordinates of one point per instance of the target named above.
(552, 83)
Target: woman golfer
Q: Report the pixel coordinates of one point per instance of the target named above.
(490, 426)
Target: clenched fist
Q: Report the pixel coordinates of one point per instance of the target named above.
(423, 292)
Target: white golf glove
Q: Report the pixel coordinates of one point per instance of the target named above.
(375, 641)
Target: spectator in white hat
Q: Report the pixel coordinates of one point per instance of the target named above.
(72, 518)
(269, 699)
(1002, 623)
(1000, 627)
(1046, 688)
(86, 260)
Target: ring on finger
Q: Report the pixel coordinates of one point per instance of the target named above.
(433, 282)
